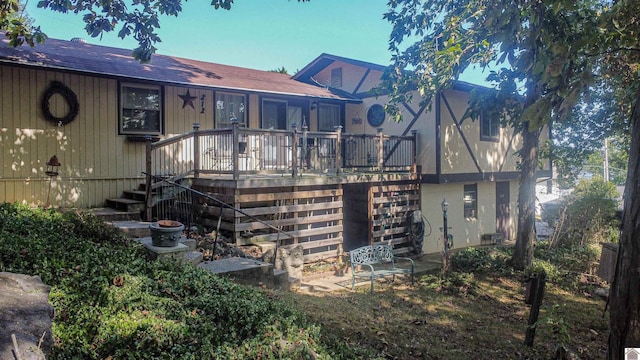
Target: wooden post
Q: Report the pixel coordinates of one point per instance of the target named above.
(196, 150)
(148, 184)
(236, 149)
(305, 147)
(380, 150)
(537, 286)
(294, 151)
(338, 150)
(414, 151)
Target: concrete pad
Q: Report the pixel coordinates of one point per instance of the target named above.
(242, 270)
(156, 252)
(133, 229)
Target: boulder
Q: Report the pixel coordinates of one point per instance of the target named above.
(25, 313)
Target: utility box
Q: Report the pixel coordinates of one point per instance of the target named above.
(491, 239)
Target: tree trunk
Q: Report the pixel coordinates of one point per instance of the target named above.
(624, 295)
(523, 252)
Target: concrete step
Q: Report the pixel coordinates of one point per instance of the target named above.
(139, 195)
(111, 215)
(194, 257)
(133, 229)
(124, 204)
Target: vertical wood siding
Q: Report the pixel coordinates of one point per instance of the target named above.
(97, 163)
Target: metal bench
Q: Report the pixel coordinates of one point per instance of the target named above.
(364, 258)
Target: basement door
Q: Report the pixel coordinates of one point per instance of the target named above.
(503, 209)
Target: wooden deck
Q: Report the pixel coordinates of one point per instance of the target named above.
(296, 183)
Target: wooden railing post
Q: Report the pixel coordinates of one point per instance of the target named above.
(196, 150)
(305, 143)
(235, 128)
(294, 151)
(338, 150)
(148, 201)
(380, 149)
(414, 151)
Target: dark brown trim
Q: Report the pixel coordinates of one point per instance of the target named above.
(480, 177)
(364, 77)
(464, 138)
(469, 177)
(410, 110)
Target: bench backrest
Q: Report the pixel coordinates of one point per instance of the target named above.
(376, 254)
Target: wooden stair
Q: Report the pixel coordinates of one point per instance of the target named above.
(130, 206)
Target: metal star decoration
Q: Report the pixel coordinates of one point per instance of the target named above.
(187, 99)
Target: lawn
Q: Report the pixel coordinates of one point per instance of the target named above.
(467, 316)
(110, 303)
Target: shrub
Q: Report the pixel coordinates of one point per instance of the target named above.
(481, 260)
(111, 303)
(587, 215)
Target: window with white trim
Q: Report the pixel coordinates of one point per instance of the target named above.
(140, 109)
(470, 199)
(489, 128)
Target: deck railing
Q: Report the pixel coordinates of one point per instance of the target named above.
(240, 151)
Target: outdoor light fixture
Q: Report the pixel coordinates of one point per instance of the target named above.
(314, 105)
(445, 236)
(52, 171)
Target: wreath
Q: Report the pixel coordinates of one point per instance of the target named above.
(69, 96)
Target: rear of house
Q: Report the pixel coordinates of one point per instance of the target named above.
(351, 175)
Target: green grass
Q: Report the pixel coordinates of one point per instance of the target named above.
(110, 303)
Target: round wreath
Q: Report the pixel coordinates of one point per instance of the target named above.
(70, 97)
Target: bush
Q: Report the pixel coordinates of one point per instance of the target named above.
(111, 303)
(481, 260)
(588, 215)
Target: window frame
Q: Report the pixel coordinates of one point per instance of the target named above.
(470, 205)
(340, 116)
(490, 124)
(336, 77)
(217, 120)
(121, 103)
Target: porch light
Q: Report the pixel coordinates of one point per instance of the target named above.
(52, 166)
(52, 171)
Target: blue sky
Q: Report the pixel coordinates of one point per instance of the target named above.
(257, 34)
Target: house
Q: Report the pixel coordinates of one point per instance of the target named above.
(312, 155)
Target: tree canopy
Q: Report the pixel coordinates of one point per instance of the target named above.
(540, 48)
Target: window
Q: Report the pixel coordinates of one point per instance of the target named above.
(140, 111)
(230, 106)
(328, 117)
(489, 128)
(336, 78)
(470, 200)
(274, 114)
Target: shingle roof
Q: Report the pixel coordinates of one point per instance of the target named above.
(108, 61)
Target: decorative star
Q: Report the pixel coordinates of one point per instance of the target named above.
(187, 99)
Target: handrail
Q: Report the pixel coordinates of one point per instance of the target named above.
(238, 151)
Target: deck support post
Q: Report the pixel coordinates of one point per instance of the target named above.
(380, 149)
(235, 129)
(147, 199)
(196, 150)
(294, 151)
(414, 152)
(338, 149)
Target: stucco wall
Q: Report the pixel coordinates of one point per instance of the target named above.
(466, 232)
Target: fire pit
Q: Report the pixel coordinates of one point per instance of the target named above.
(166, 233)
